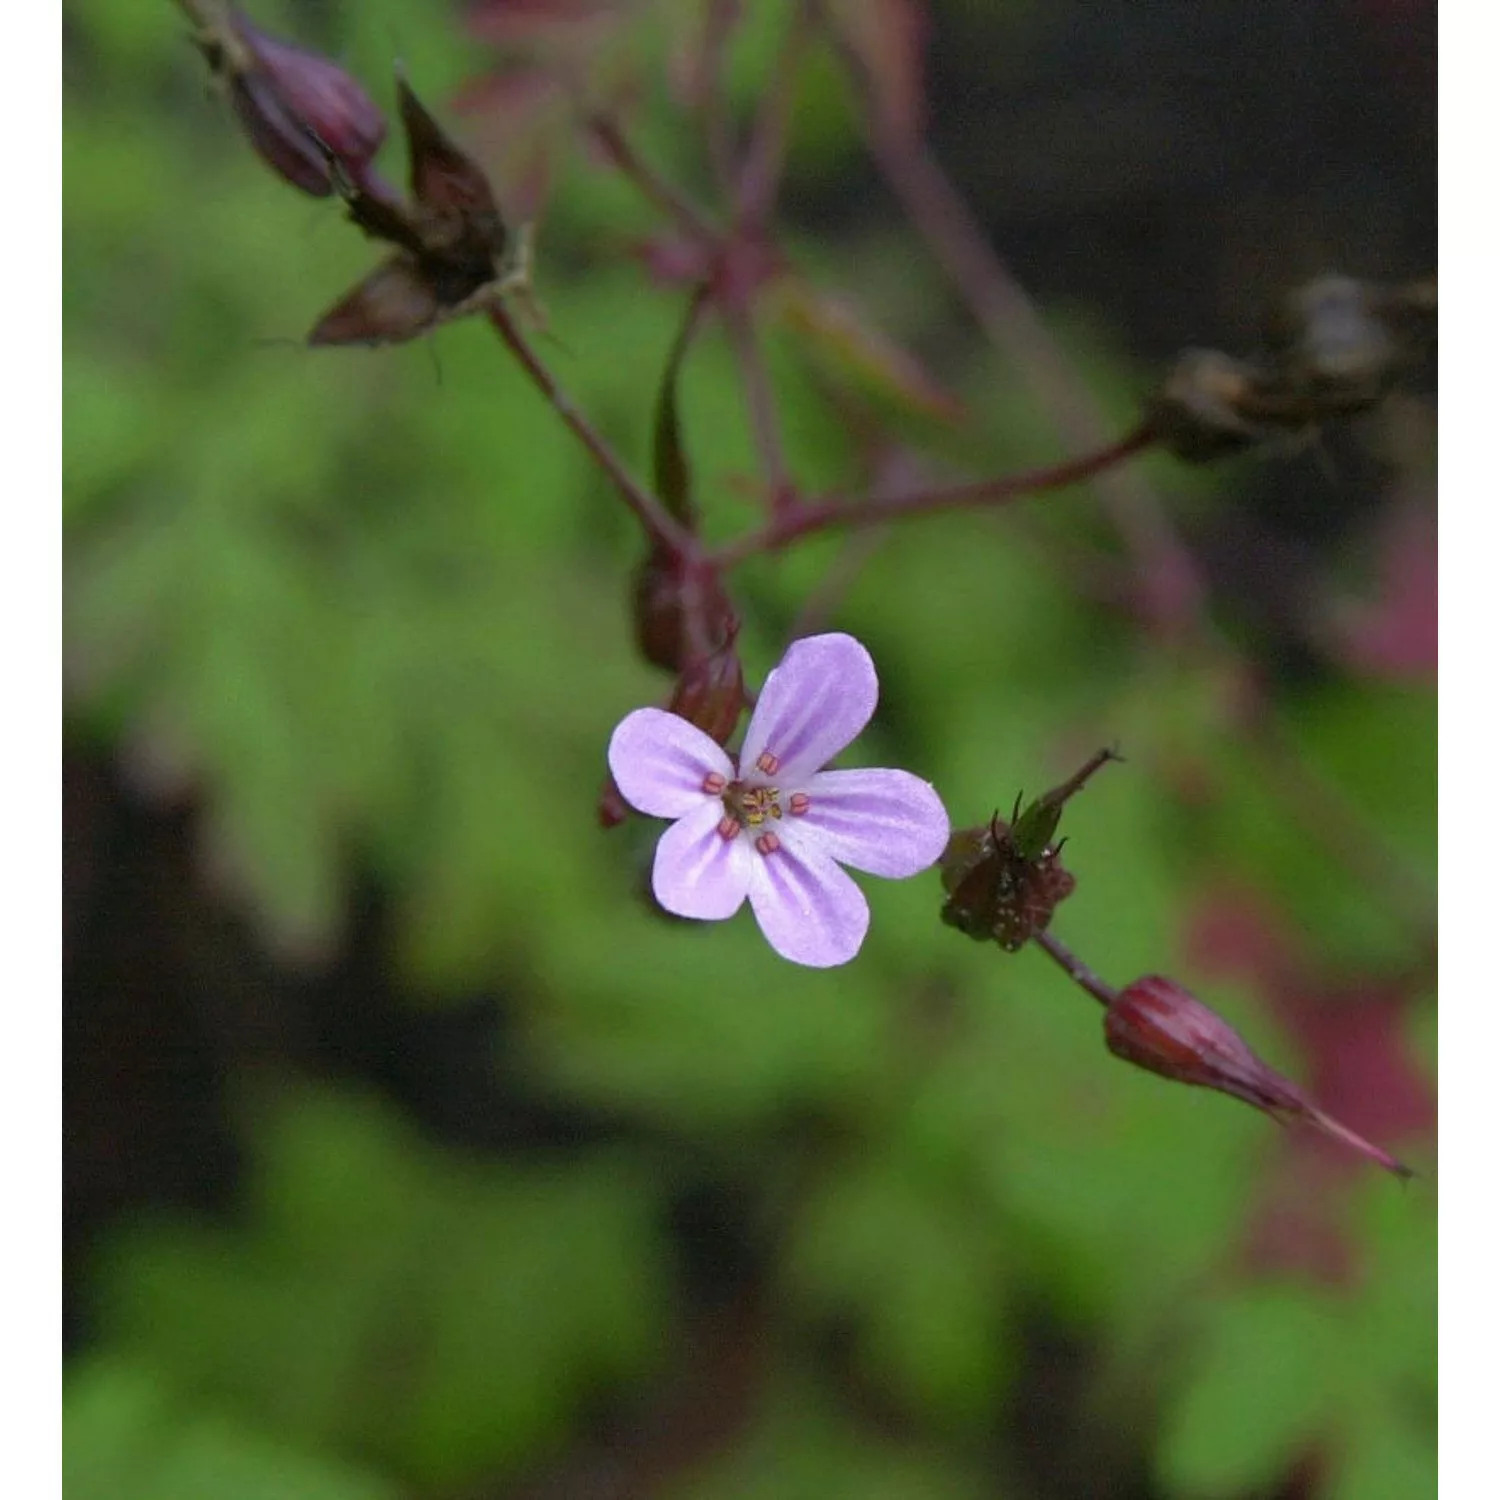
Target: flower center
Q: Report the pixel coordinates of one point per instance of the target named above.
(749, 808)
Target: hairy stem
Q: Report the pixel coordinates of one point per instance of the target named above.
(1075, 968)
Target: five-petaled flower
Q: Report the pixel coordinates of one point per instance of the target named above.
(777, 827)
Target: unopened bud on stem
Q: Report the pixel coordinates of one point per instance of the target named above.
(1158, 1025)
(302, 113)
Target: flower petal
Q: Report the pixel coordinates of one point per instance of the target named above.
(699, 873)
(816, 700)
(810, 911)
(889, 823)
(659, 761)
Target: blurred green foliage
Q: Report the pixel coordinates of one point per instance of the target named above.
(369, 610)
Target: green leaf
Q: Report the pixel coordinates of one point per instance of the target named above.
(389, 1302)
(1258, 1390)
(129, 1436)
(1388, 1456)
(799, 1448)
(914, 1273)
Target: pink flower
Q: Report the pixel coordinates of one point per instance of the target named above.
(777, 827)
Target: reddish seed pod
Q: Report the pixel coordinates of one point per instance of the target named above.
(1158, 1025)
(657, 611)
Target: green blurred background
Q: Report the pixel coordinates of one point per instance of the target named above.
(408, 1153)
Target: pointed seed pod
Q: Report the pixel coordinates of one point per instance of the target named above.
(1158, 1025)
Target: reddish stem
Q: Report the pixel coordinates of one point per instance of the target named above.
(656, 188)
(719, 23)
(659, 525)
(765, 151)
(827, 515)
(1012, 323)
(739, 323)
(1075, 968)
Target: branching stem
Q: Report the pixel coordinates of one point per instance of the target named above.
(839, 513)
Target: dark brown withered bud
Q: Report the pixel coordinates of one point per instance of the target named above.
(1334, 347)
(1202, 409)
(308, 119)
(458, 228)
(1158, 1025)
(1334, 343)
(450, 242)
(996, 894)
(1005, 880)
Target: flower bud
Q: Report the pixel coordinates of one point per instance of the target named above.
(302, 112)
(1208, 406)
(613, 809)
(1158, 1025)
(711, 691)
(671, 606)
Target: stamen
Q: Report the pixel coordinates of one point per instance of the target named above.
(768, 843)
(713, 783)
(767, 762)
(728, 828)
(799, 803)
(750, 806)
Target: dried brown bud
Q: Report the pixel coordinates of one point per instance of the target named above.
(996, 893)
(1334, 344)
(459, 228)
(1005, 880)
(1158, 1025)
(394, 303)
(305, 115)
(1202, 409)
(450, 243)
